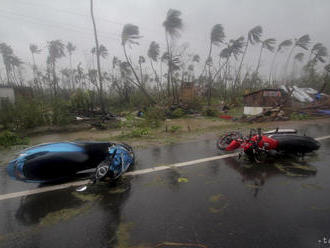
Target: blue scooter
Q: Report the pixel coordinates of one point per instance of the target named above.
(64, 160)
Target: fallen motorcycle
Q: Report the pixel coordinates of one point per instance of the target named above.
(64, 160)
(258, 146)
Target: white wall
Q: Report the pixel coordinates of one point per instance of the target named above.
(7, 93)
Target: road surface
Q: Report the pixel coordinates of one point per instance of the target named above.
(216, 203)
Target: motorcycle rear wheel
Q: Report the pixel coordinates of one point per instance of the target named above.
(224, 141)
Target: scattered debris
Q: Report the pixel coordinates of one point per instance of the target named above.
(183, 180)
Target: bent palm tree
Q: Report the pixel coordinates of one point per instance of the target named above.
(254, 36)
(130, 35)
(217, 37)
(299, 57)
(302, 42)
(266, 44)
(153, 54)
(173, 25)
(284, 44)
(34, 50)
(56, 51)
(6, 52)
(70, 49)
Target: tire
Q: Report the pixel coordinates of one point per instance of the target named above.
(260, 156)
(296, 143)
(225, 140)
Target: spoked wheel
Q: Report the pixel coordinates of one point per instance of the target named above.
(259, 156)
(226, 139)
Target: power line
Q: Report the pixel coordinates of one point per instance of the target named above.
(98, 18)
(39, 21)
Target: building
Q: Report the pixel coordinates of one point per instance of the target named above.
(187, 92)
(7, 94)
(256, 102)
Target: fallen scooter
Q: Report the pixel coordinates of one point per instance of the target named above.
(65, 160)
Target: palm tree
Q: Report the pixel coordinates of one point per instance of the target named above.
(70, 48)
(326, 78)
(302, 42)
(320, 54)
(130, 35)
(172, 24)
(299, 57)
(254, 36)
(217, 37)
(267, 44)
(281, 46)
(315, 48)
(15, 64)
(6, 52)
(234, 48)
(153, 54)
(141, 61)
(55, 51)
(100, 88)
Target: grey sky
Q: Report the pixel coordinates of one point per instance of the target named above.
(36, 21)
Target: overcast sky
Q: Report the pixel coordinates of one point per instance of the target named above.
(37, 21)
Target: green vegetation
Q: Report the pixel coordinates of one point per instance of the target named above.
(177, 113)
(299, 116)
(174, 129)
(8, 138)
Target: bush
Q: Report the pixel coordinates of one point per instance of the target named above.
(177, 113)
(211, 112)
(8, 138)
(139, 132)
(25, 113)
(154, 117)
(60, 114)
(298, 116)
(173, 129)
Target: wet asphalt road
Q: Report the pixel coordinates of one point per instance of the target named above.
(222, 203)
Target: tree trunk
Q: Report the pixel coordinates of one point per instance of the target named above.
(210, 52)
(241, 63)
(271, 67)
(259, 60)
(168, 66)
(98, 60)
(140, 86)
(288, 61)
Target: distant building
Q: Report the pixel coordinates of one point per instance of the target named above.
(256, 102)
(7, 94)
(187, 92)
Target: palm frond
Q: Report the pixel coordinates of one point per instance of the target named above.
(217, 34)
(327, 68)
(34, 48)
(283, 44)
(299, 57)
(269, 44)
(254, 35)
(130, 34)
(196, 58)
(141, 60)
(173, 23)
(303, 42)
(153, 51)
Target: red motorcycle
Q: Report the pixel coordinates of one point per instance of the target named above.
(258, 146)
